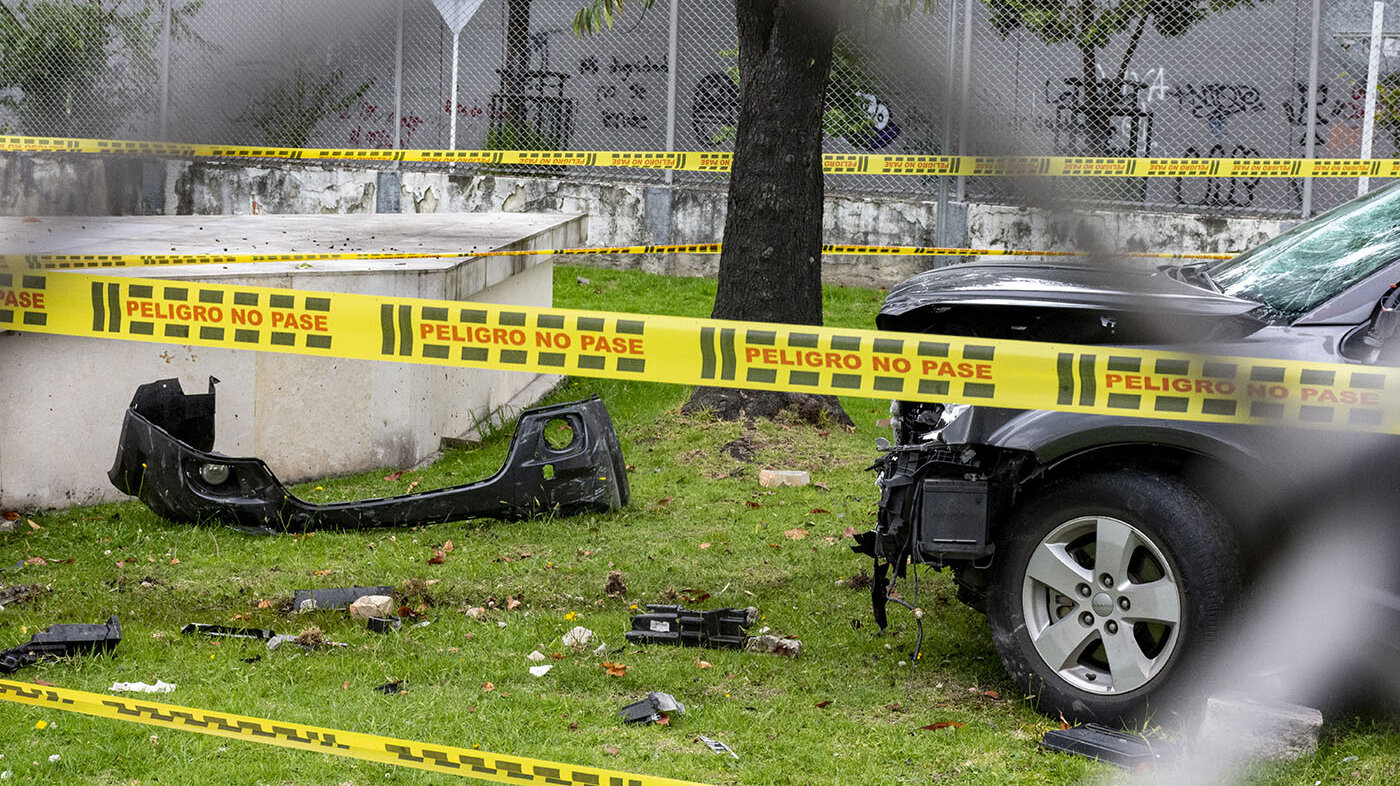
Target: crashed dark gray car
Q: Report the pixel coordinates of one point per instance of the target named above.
(1109, 552)
(165, 458)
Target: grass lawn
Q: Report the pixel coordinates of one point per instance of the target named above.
(850, 711)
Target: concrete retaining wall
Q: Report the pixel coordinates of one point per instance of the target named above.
(619, 213)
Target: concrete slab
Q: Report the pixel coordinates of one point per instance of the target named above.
(62, 398)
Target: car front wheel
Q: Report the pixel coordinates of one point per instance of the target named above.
(1105, 584)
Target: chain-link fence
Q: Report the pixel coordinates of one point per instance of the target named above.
(1186, 78)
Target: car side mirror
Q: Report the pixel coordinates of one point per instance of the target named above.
(1366, 341)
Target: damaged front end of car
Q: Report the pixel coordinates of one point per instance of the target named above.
(165, 458)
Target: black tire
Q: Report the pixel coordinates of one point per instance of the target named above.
(1115, 662)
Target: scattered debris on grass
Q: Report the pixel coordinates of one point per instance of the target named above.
(18, 593)
(655, 708)
(223, 631)
(313, 638)
(717, 746)
(367, 606)
(385, 624)
(941, 725)
(775, 645)
(1094, 741)
(333, 597)
(392, 688)
(614, 669)
(161, 686)
(536, 657)
(578, 637)
(661, 624)
(771, 478)
(615, 586)
(61, 641)
(540, 671)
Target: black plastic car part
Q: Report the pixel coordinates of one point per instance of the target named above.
(165, 459)
(61, 641)
(1095, 741)
(679, 625)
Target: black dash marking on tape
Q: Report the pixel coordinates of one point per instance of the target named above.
(439, 351)
(552, 359)
(1316, 377)
(239, 298)
(1219, 370)
(1271, 410)
(435, 313)
(149, 329)
(386, 327)
(1172, 404)
(1367, 381)
(979, 352)
(206, 333)
(632, 365)
(593, 324)
(141, 290)
(7, 281)
(1365, 417)
(513, 318)
(282, 301)
(1125, 364)
(805, 378)
(594, 362)
(933, 349)
(209, 296)
(183, 293)
(284, 340)
(765, 338)
(36, 318)
(845, 381)
(473, 316)
(1087, 386)
(845, 343)
(979, 390)
(889, 346)
(550, 321)
(765, 376)
(245, 336)
(476, 354)
(1311, 414)
(631, 327)
(33, 282)
(707, 353)
(804, 340)
(515, 357)
(1218, 406)
(7, 316)
(729, 361)
(318, 304)
(1124, 401)
(318, 342)
(933, 387)
(1266, 374)
(890, 384)
(1064, 371)
(1175, 367)
(405, 331)
(404, 752)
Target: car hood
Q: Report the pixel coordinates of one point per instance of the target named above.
(1060, 286)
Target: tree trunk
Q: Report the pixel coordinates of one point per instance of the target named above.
(770, 269)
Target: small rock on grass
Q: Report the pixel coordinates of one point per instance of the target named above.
(770, 478)
(776, 645)
(371, 606)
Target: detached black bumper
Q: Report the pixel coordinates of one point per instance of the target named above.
(164, 459)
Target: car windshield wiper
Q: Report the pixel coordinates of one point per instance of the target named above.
(1197, 274)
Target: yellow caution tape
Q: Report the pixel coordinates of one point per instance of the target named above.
(761, 356)
(464, 762)
(862, 164)
(99, 261)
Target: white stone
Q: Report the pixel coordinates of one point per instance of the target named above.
(367, 606)
(578, 637)
(770, 478)
(536, 656)
(1240, 728)
(540, 671)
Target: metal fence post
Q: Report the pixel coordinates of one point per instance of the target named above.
(672, 65)
(1373, 69)
(1310, 137)
(940, 226)
(398, 79)
(165, 73)
(965, 99)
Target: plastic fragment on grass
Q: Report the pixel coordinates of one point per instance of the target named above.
(161, 686)
(652, 709)
(578, 637)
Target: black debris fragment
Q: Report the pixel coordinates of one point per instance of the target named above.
(678, 625)
(652, 709)
(391, 688)
(384, 624)
(333, 597)
(61, 641)
(224, 631)
(1095, 741)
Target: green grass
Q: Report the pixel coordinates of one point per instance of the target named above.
(687, 491)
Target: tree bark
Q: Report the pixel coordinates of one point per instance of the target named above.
(770, 269)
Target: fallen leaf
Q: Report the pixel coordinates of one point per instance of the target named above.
(526, 554)
(704, 545)
(511, 603)
(821, 705)
(702, 664)
(694, 595)
(392, 476)
(326, 572)
(991, 694)
(752, 504)
(237, 617)
(775, 545)
(820, 510)
(894, 707)
(487, 687)
(557, 655)
(10, 515)
(45, 683)
(265, 604)
(663, 720)
(37, 561)
(796, 533)
(823, 433)
(613, 669)
(174, 560)
(573, 726)
(822, 486)
(941, 725)
(664, 501)
(611, 751)
(448, 546)
(438, 557)
(34, 526)
(345, 685)
(849, 532)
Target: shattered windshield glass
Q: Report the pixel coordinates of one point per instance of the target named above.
(1298, 270)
